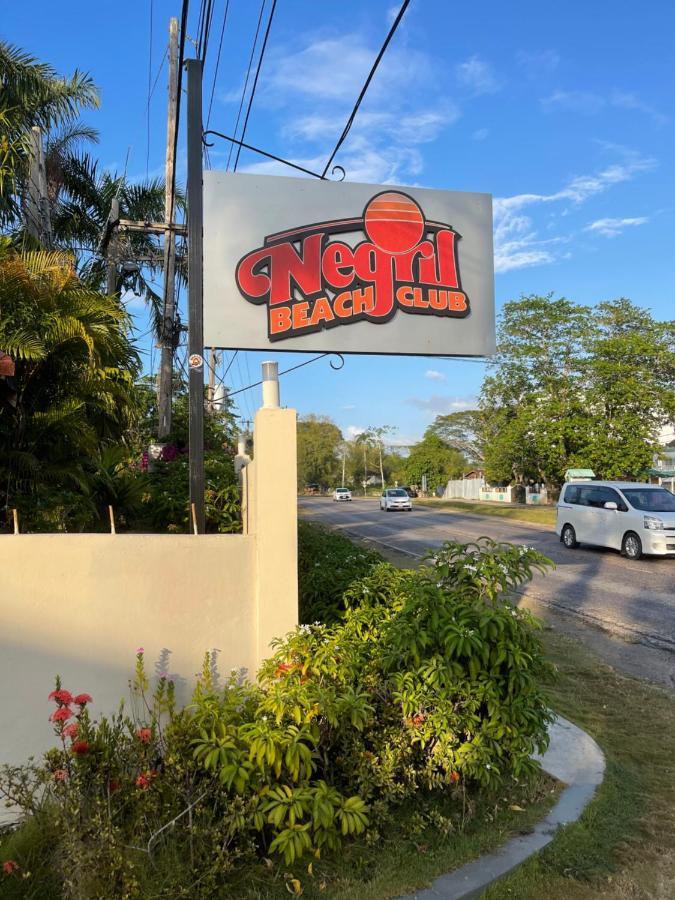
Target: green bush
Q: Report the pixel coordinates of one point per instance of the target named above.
(429, 686)
(328, 563)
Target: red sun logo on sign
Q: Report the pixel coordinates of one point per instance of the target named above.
(394, 222)
(311, 279)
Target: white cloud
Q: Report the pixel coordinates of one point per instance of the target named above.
(480, 134)
(590, 104)
(439, 404)
(322, 76)
(537, 62)
(576, 101)
(433, 375)
(352, 431)
(477, 75)
(516, 241)
(348, 406)
(613, 227)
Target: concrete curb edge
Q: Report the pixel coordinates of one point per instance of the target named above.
(574, 758)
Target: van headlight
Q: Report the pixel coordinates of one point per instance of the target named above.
(654, 524)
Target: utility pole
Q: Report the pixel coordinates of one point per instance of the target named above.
(169, 310)
(38, 220)
(195, 209)
(111, 271)
(211, 394)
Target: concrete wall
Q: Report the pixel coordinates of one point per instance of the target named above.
(80, 605)
(464, 489)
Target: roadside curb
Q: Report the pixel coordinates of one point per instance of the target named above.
(574, 758)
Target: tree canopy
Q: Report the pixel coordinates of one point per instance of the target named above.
(576, 386)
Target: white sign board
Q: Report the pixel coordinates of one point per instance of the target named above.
(322, 266)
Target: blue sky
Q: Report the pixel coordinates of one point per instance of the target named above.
(564, 113)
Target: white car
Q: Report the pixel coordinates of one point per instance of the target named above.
(395, 498)
(628, 516)
(342, 494)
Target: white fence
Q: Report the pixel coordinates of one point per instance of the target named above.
(463, 489)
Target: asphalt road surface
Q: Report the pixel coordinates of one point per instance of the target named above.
(634, 601)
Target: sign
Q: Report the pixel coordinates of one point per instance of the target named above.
(322, 266)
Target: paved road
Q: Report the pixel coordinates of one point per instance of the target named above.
(635, 600)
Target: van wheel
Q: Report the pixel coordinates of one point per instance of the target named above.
(631, 547)
(569, 537)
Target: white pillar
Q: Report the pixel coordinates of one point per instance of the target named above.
(270, 385)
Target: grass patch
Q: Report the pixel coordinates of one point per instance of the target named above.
(624, 844)
(542, 515)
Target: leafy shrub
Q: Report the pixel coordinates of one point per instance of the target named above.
(328, 563)
(166, 501)
(430, 685)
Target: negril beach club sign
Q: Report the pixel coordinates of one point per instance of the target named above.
(353, 268)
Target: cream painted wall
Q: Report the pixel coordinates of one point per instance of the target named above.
(79, 605)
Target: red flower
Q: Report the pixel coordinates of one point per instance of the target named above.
(454, 777)
(60, 775)
(418, 719)
(114, 785)
(145, 778)
(70, 730)
(83, 699)
(282, 669)
(62, 714)
(10, 867)
(79, 748)
(61, 697)
(144, 735)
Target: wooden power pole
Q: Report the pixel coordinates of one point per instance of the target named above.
(111, 248)
(169, 311)
(38, 220)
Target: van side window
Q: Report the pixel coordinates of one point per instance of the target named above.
(585, 494)
(572, 494)
(598, 496)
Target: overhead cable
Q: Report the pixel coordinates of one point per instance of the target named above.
(215, 73)
(366, 85)
(248, 74)
(255, 81)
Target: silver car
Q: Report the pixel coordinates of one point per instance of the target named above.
(395, 498)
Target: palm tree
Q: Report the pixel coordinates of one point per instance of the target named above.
(74, 381)
(32, 93)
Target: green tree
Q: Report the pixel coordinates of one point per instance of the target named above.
(319, 461)
(629, 370)
(73, 390)
(432, 457)
(32, 94)
(463, 431)
(575, 386)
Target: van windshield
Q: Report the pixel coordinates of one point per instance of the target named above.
(650, 500)
(397, 492)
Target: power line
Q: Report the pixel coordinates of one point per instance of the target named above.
(215, 74)
(352, 116)
(255, 81)
(248, 74)
(147, 145)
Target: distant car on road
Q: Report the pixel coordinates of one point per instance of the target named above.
(312, 488)
(342, 494)
(395, 498)
(631, 517)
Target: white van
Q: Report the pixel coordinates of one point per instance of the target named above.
(627, 516)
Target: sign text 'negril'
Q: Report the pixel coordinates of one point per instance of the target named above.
(309, 279)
